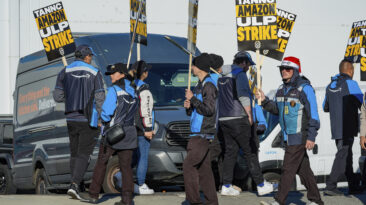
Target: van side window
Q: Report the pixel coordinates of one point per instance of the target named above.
(35, 101)
(8, 134)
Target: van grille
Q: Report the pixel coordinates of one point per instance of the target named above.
(178, 133)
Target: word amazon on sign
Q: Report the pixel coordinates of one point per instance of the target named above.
(54, 30)
(256, 22)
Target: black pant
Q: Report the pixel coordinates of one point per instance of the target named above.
(197, 172)
(124, 158)
(82, 141)
(296, 161)
(217, 158)
(342, 165)
(237, 134)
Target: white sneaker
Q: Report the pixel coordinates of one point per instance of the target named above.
(229, 191)
(265, 189)
(313, 203)
(143, 189)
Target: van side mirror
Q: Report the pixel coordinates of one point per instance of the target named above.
(315, 149)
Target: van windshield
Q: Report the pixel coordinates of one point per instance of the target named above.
(168, 82)
(272, 121)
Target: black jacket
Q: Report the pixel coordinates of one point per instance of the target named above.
(203, 108)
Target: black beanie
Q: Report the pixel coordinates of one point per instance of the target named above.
(216, 61)
(203, 62)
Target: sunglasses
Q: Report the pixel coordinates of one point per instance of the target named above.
(286, 68)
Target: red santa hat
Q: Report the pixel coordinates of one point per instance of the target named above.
(291, 62)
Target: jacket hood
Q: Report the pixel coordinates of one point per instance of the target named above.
(341, 76)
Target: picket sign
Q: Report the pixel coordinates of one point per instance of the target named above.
(55, 32)
(133, 37)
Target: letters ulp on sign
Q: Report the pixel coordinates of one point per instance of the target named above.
(353, 44)
(54, 30)
(256, 22)
(141, 29)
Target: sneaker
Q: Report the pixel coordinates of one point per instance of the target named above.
(269, 203)
(85, 197)
(237, 188)
(265, 189)
(333, 192)
(74, 191)
(229, 191)
(143, 189)
(313, 203)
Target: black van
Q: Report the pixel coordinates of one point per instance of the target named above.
(6, 153)
(41, 143)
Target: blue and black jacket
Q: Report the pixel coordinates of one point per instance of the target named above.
(203, 108)
(343, 98)
(295, 103)
(80, 85)
(230, 90)
(120, 105)
(215, 77)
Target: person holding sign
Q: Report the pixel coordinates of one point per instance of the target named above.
(201, 106)
(216, 146)
(295, 103)
(80, 86)
(343, 99)
(119, 109)
(235, 121)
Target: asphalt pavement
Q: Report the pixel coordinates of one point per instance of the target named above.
(172, 198)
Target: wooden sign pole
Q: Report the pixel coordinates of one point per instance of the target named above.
(138, 47)
(64, 61)
(258, 74)
(190, 71)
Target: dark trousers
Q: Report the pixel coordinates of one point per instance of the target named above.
(342, 165)
(125, 159)
(296, 161)
(82, 141)
(197, 172)
(237, 134)
(217, 148)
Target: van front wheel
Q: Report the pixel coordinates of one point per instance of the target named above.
(272, 177)
(41, 182)
(112, 180)
(6, 183)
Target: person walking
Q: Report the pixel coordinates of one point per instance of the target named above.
(343, 99)
(120, 107)
(217, 145)
(295, 104)
(235, 121)
(201, 106)
(80, 86)
(144, 125)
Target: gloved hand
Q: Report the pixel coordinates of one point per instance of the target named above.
(261, 129)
